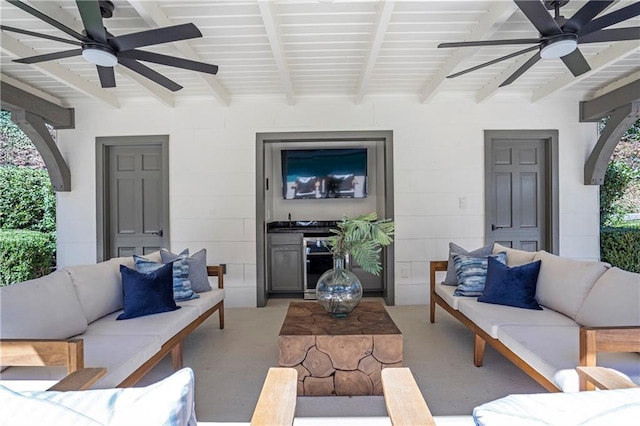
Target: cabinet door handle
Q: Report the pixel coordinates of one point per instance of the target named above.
(493, 227)
(159, 233)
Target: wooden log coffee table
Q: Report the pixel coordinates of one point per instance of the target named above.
(339, 356)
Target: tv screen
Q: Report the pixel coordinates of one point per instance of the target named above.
(324, 173)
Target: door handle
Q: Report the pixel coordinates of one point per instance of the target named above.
(493, 227)
(159, 233)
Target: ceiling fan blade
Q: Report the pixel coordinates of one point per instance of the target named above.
(495, 61)
(107, 76)
(539, 16)
(155, 36)
(34, 34)
(92, 19)
(171, 61)
(617, 34)
(585, 14)
(49, 56)
(152, 75)
(492, 42)
(612, 18)
(531, 62)
(576, 63)
(30, 10)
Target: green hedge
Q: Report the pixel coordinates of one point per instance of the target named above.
(621, 247)
(27, 200)
(25, 255)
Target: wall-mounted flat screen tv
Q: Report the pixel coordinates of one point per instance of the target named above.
(324, 173)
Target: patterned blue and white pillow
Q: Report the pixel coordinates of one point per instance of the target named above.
(169, 402)
(471, 273)
(181, 284)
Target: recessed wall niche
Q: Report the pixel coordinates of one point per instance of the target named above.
(272, 206)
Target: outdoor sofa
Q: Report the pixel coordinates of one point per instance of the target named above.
(65, 321)
(590, 316)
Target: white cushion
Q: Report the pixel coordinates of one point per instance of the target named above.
(43, 308)
(446, 292)
(164, 325)
(552, 349)
(206, 301)
(613, 301)
(612, 407)
(563, 283)
(99, 287)
(169, 402)
(515, 257)
(120, 355)
(490, 317)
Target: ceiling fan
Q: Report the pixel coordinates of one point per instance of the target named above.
(559, 37)
(104, 50)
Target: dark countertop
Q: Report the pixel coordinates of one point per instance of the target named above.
(310, 227)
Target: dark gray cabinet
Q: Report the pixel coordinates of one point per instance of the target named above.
(285, 260)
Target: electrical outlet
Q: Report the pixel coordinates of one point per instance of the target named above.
(462, 203)
(405, 272)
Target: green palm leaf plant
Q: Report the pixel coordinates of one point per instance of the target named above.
(362, 238)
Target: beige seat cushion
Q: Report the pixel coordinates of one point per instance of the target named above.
(164, 325)
(206, 301)
(44, 308)
(515, 257)
(613, 301)
(563, 284)
(490, 317)
(99, 287)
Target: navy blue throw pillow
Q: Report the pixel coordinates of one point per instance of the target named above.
(515, 286)
(146, 294)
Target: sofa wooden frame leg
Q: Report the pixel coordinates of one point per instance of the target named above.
(176, 356)
(478, 350)
(221, 314)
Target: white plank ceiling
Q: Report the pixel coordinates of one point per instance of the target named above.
(295, 49)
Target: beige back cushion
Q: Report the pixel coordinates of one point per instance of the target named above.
(514, 257)
(44, 308)
(613, 301)
(563, 284)
(99, 287)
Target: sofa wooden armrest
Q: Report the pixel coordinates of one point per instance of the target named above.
(605, 339)
(277, 402)
(435, 266)
(81, 379)
(218, 271)
(43, 353)
(405, 404)
(604, 378)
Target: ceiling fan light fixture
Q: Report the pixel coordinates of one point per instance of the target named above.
(559, 46)
(99, 55)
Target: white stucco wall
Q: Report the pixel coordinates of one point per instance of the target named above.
(438, 157)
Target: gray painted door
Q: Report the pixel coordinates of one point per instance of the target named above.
(135, 200)
(516, 187)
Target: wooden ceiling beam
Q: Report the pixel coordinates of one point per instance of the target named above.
(275, 41)
(497, 15)
(382, 22)
(16, 99)
(153, 15)
(604, 58)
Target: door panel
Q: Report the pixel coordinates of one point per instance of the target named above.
(515, 199)
(135, 199)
